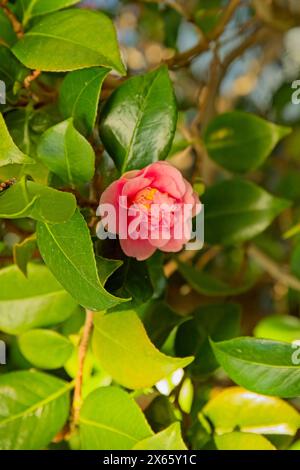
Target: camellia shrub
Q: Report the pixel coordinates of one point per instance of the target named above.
(126, 127)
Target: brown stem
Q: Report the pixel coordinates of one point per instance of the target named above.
(180, 60)
(208, 256)
(82, 352)
(30, 78)
(17, 26)
(171, 267)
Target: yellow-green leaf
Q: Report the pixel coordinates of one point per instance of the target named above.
(243, 441)
(168, 439)
(237, 408)
(124, 350)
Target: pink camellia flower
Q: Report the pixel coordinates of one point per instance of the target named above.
(153, 210)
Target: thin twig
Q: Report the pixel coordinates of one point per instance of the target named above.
(183, 58)
(171, 267)
(17, 26)
(225, 19)
(30, 78)
(273, 269)
(82, 352)
(208, 256)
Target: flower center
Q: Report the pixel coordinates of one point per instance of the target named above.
(145, 197)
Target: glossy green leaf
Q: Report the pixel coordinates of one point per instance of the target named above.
(31, 8)
(23, 252)
(21, 124)
(79, 97)
(32, 302)
(111, 420)
(68, 251)
(243, 441)
(120, 340)
(241, 142)
(210, 286)
(237, 408)
(29, 199)
(70, 40)
(216, 321)
(27, 125)
(45, 349)
(279, 327)
(9, 152)
(168, 439)
(67, 154)
(237, 210)
(7, 34)
(142, 110)
(34, 408)
(262, 366)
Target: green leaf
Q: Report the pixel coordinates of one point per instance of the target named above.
(160, 413)
(71, 366)
(23, 252)
(70, 40)
(241, 142)
(208, 20)
(120, 340)
(31, 8)
(12, 73)
(135, 283)
(68, 251)
(20, 123)
(217, 321)
(243, 441)
(236, 408)
(279, 327)
(155, 265)
(106, 267)
(159, 320)
(7, 33)
(168, 439)
(79, 97)
(45, 349)
(237, 210)
(9, 152)
(111, 420)
(34, 408)
(262, 366)
(295, 446)
(209, 285)
(67, 154)
(141, 110)
(32, 302)
(26, 125)
(29, 199)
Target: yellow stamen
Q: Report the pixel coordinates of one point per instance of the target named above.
(145, 197)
